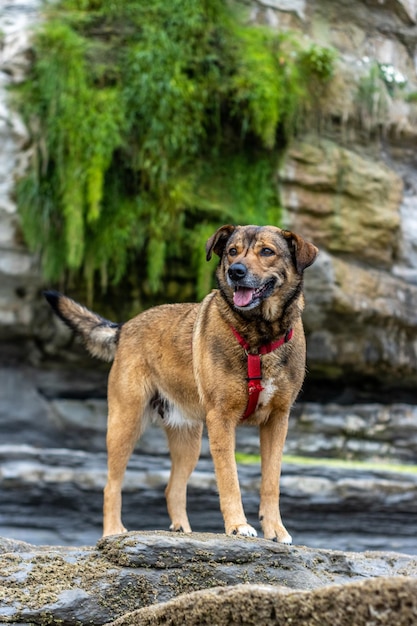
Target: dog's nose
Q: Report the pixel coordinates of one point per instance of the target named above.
(237, 271)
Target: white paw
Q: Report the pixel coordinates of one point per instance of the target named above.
(179, 528)
(277, 533)
(281, 537)
(244, 530)
(119, 530)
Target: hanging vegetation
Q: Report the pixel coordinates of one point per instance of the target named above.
(153, 124)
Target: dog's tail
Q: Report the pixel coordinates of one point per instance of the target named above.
(98, 334)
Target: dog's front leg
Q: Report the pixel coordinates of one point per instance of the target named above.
(272, 439)
(221, 434)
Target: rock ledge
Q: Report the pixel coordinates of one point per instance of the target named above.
(124, 573)
(384, 601)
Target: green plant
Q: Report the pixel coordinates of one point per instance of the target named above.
(319, 62)
(411, 97)
(153, 124)
(372, 98)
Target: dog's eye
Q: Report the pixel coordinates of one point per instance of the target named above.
(232, 252)
(267, 252)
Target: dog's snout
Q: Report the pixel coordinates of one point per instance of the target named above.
(237, 271)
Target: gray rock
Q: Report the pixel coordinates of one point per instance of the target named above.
(386, 601)
(19, 272)
(54, 496)
(128, 572)
(66, 407)
(366, 432)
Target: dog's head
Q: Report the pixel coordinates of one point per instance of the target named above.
(259, 263)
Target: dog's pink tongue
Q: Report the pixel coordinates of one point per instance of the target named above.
(242, 296)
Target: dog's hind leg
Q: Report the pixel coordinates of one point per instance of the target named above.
(120, 443)
(184, 447)
(125, 425)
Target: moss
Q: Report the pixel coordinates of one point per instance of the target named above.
(411, 97)
(153, 124)
(250, 459)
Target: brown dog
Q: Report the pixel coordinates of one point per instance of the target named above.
(238, 356)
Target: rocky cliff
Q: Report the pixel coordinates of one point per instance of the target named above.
(20, 279)
(351, 188)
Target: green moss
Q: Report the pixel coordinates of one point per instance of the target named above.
(254, 459)
(319, 62)
(411, 97)
(153, 124)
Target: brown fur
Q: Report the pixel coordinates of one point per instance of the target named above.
(181, 363)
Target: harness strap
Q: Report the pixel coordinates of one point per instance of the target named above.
(255, 367)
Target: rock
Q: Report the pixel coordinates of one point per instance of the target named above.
(19, 274)
(366, 432)
(53, 451)
(385, 601)
(323, 505)
(21, 403)
(128, 572)
(362, 323)
(406, 266)
(355, 194)
(342, 201)
(287, 6)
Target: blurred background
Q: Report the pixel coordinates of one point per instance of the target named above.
(129, 132)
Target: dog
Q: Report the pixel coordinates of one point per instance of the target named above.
(237, 357)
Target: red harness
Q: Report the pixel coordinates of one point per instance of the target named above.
(255, 368)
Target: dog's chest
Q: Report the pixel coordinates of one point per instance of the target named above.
(268, 392)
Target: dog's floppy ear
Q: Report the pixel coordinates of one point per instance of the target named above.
(217, 242)
(304, 252)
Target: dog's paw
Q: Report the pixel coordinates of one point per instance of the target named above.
(281, 536)
(275, 531)
(179, 528)
(243, 530)
(287, 539)
(115, 530)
